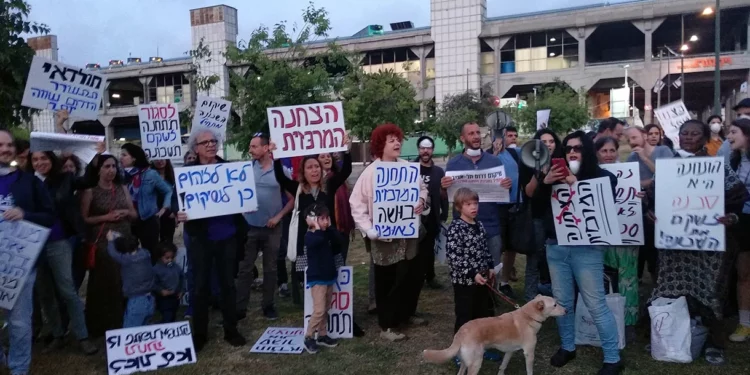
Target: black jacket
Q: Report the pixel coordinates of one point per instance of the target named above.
(438, 205)
(62, 190)
(30, 195)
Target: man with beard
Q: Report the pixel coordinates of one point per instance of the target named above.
(431, 175)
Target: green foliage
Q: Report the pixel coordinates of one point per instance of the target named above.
(568, 111)
(15, 60)
(201, 53)
(20, 133)
(374, 99)
(457, 110)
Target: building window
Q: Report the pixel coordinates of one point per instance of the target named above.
(402, 61)
(550, 50)
(169, 88)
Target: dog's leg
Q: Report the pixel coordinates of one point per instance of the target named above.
(462, 369)
(529, 354)
(504, 365)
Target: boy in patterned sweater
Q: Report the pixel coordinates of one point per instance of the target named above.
(470, 261)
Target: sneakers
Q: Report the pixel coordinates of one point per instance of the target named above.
(391, 335)
(233, 338)
(611, 369)
(416, 321)
(434, 284)
(507, 290)
(311, 345)
(741, 334)
(54, 345)
(88, 347)
(714, 356)
(284, 291)
(562, 357)
(327, 342)
(270, 313)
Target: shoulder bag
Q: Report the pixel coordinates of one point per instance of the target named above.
(291, 249)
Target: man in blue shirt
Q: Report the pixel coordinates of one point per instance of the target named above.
(264, 233)
(473, 158)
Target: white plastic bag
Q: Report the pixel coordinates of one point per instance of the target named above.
(586, 332)
(670, 330)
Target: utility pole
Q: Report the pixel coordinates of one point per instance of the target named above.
(658, 94)
(669, 77)
(717, 57)
(682, 61)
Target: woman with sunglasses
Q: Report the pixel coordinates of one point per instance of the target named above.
(580, 265)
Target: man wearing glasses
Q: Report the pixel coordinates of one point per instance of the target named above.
(212, 240)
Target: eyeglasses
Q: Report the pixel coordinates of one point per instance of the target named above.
(259, 134)
(208, 142)
(577, 149)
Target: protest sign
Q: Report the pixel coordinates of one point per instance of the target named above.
(440, 243)
(20, 244)
(81, 145)
(629, 209)
(160, 131)
(689, 201)
(212, 114)
(149, 348)
(584, 213)
(395, 194)
(216, 189)
(671, 117)
(57, 86)
(485, 182)
(542, 119)
(276, 340)
(341, 312)
(308, 129)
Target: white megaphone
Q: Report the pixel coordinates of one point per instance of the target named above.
(534, 154)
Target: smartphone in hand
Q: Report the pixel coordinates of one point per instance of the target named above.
(560, 164)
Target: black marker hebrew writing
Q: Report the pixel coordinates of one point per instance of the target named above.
(70, 75)
(20, 244)
(395, 195)
(581, 213)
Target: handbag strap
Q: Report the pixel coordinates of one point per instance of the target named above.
(296, 197)
(111, 207)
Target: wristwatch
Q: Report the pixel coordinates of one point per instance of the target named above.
(733, 218)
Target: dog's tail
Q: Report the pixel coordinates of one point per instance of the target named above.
(442, 356)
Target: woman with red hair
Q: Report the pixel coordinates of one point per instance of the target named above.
(393, 258)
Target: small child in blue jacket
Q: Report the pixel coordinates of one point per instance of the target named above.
(169, 282)
(137, 278)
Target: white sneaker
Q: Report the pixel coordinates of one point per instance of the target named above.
(392, 336)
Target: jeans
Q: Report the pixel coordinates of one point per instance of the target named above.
(531, 287)
(167, 307)
(264, 240)
(19, 322)
(55, 273)
(204, 255)
(139, 310)
(78, 265)
(495, 244)
(584, 266)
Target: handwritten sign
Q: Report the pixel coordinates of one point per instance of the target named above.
(689, 202)
(340, 313)
(160, 131)
(629, 209)
(395, 194)
(307, 129)
(671, 117)
(216, 189)
(56, 86)
(148, 348)
(20, 244)
(212, 114)
(277, 340)
(485, 182)
(584, 213)
(440, 242)
(82, 145)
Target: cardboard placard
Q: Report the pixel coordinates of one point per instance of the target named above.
(149, 348)
(212, 114)
(584, 213)
(308, 129)
(216, 189)
(629, 208)
(278, 340)
(161, 137)
(395, 194)
(20, 245)
(341, 312)
(484, 182)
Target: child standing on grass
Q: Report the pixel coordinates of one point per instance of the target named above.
(322, 247)
(168, 284)
(137, 278)
(470, 260)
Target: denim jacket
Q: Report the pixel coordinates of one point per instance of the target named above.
(151, 185)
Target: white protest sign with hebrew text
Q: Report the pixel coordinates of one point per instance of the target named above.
(341, 312)
(160, 131)
(689, 200)
(148, 348)
(279, 340)
(629, 208)
(82, 145)
(395, 194)
(584, 213)
(56, 86)
(671, 116)
(216, 189)
(212, 114)
(485, 182)
(20, 245)
(542, 118)
(308, 129)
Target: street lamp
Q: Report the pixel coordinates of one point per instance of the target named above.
(717, 52)
(708, 11)
(684, 47)
(694, 38)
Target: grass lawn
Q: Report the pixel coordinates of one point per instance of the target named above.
(371, 355)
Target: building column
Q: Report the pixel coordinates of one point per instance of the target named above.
(145, 81)
(422, 52)
(497, 44)
(581, 33)
(109, 132)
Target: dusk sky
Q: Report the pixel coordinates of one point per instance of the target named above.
(101, 30)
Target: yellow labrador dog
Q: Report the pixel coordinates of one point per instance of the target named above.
(507, 333)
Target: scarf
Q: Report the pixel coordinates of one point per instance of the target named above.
(134, 177)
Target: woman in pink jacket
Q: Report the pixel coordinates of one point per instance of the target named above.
(393, 259)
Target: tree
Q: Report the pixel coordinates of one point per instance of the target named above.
(459, 109)
(374, 99)
(15, 60)
(568, 111)
(203, 83)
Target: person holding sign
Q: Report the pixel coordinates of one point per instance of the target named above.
(213, 241)
(396, 280)
(706, 287)
(580, 265)
(22, 197)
